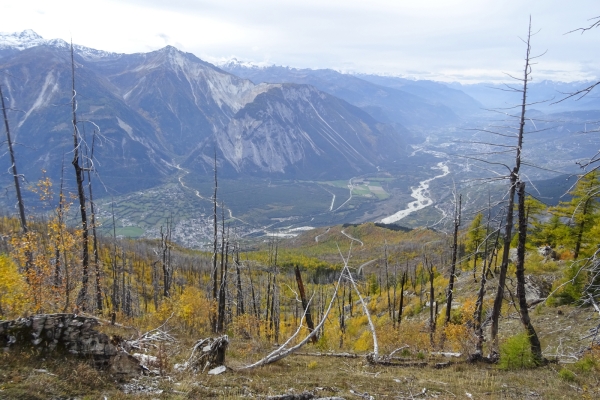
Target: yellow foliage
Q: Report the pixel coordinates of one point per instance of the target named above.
(415, 334)
(246, 326)
(13, 289)
(459, 337)
(364, 342)
(190, 312)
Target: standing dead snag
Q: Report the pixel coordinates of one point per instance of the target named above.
(82, 296)
(93, 220)
(432, 307)
(536, 347)
(14, 167)
(305, 304)
(457, 215)
(513, 178)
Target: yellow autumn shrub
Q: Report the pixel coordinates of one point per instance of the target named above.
(13, 289)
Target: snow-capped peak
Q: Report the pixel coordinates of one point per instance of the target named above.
(20, 40)
(235, 63)
(28, 38)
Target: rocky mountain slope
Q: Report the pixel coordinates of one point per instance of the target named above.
(160, 109)
(417, 105)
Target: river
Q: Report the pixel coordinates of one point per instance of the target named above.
(421, 196)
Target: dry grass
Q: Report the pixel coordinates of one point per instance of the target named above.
(26, 376)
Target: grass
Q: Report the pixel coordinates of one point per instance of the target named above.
(325, 376)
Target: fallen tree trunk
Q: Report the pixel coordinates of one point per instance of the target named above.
(68, 334)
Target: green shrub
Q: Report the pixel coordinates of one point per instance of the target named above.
(515, 353)
(567, 375)
(572, 291)
(587, 364)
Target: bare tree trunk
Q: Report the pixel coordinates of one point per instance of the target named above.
(394, 296)
(536, 347)
(457, 215)
(82, 296)
(115, 273)
(14, 167)
(481, 292)
(93, 220)
(213, 317)
(240, 294)
(432, 310)
(305, 307)
(223, 285)
(401, 305)
(387, 283)
(514, 177)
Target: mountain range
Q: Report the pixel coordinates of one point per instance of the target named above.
(154, 113)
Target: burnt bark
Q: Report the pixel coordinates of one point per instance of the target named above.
(457, 217)
(14, 167)
(536, 347)
(85, 259)
(305, 307)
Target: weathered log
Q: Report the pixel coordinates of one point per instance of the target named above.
(71, 334)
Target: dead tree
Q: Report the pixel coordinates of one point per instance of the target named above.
(223, 280)
(478, 328)
(14, 167)
(93, 220)
(457, 217)
(387, 283)
(305, 304)
(239, 310)
(432, 310)
(513, 179)
(536, 347)
(401, 305)
(82, 296)
(215, 245)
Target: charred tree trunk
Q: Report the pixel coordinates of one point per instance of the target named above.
(240, 294)
(457, 216)
(387, 283)
(536, 347)
(432, 310)
(514, 177)
(83, 293)
(94, 234)
(401, 305)
(14, 167)
(305, 307)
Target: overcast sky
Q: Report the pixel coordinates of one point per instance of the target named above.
(449, 40)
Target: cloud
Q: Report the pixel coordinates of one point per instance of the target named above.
(447, 39)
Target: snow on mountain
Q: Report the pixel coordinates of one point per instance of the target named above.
(28, 38)
(21, 40)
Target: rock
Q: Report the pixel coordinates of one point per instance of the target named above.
(124, 365)
(218, 370)
(536, 290)
(547, 252)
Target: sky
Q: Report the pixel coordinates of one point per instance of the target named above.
(447, 40)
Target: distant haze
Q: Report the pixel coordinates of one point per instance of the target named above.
(448, 40)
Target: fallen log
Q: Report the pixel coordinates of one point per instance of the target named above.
(68, 334)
